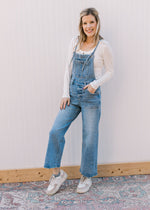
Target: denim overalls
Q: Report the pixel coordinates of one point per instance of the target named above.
(83, 74)
(90, 107)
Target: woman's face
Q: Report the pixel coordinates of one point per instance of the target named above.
(89, 25)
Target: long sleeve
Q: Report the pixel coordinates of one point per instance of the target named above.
(68, 68)
(105, 52)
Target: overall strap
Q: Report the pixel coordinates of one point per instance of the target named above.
(90, 55)
(96, 47)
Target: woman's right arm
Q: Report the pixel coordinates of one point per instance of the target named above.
(68, 70)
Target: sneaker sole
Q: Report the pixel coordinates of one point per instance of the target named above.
(80, 191)
(55, 191)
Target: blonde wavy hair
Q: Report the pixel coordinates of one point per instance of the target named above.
(82, 37)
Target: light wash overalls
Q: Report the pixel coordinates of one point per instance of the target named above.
(80, 101)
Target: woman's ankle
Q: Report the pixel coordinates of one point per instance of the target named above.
(56, 171)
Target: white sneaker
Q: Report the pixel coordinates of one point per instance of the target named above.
(84, 184)
(56, 182)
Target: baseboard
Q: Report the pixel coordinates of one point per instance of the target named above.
(104, 170)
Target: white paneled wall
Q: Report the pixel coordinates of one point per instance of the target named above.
(34, 38)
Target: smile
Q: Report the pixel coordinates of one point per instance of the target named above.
(89, 31)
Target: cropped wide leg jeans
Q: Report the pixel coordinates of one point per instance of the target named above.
(90, 122)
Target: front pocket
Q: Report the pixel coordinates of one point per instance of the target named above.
(73, 90)
(91, 93)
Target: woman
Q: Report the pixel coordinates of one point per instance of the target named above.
(88, 54)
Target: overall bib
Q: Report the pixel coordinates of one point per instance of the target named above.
(83, 74)
(90, 107)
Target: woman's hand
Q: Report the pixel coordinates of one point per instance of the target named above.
(90, 88)
(63, 102)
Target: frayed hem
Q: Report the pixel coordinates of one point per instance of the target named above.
(88, 175)
(49, 167)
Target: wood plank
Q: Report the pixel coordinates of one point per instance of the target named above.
(104, 170)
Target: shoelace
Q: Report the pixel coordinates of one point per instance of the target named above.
(82, 179)
(52, 180)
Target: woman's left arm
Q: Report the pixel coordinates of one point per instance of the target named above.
(107, 57)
